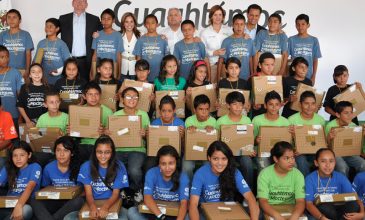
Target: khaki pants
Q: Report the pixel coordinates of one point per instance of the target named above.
(214, 72)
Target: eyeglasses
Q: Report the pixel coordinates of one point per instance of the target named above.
(106, 153)
(130, 97)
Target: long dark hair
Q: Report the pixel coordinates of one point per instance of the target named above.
(75, 160)
(193, 69)
(227, 181)
(99, 63)
(318, 153)
(136, 32)
(113, 166)
(13, 171)
(162, 73)
(29, 80)
(279, 150)
(170, 150)
(74, 61)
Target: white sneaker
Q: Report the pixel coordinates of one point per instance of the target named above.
(245, 203)
(138, 196)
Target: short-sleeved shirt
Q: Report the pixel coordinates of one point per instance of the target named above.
(21, 45)
(279, 191)
(170, 84)
(240, 49)
(57, 55)
(359, 186)
(33, 172)
(100, 191)
(305, 47)
(158, 50)
(7, 129)
(176, 122)
(273, 43)
(108, 45)
(11, 85)
(195, 51)
(205, 184)
(72, 87)
(225, 84)
(289, 88)
(188, 111)
(60, 121)
(53, 176)
(193, 121)
(337, 185)
(225, 120)
(296, 119)
(159, 189)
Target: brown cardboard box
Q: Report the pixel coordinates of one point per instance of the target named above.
(197, 143)
(40, 55)
(304, 138)
(355, 96)
(8, 201)
(125, 130)
(68, 99)
(222, 100)
(160, 136)
(107, 96)
(23, 134)
(44, 138)
(263, 84)
(84, 121)
(338, 200)
(3, 153)
(22, 71)
(224, 210)
(178, 97)
(113, 212)
(285, 210)
(58, 192)
(302, 88)
(93, 69)
(278, 62)
(348, 141)
(287, 73)
(144, 89)
(167, 208)
(270, 135)
(209, 91)
(239, 138)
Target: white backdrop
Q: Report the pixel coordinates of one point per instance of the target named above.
(337, 24)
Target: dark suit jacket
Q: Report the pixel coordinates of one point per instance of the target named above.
(92, 25)
(259, 28)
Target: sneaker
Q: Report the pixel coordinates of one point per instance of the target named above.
(138, 197)
(123, 194)
(245, 203)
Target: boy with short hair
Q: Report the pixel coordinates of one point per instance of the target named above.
(305, 45)
(344, 111)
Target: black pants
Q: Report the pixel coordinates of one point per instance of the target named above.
(332, 213)
(84, 68)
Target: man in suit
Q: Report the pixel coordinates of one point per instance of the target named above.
(253, 17)
(76, 31)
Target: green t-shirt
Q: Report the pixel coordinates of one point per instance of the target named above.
(224, 120)
(104, 120)
(280, 190)
(169, 84)
(193, 121)
(61, 121)
(145, 123)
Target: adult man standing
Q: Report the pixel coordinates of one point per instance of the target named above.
(173, 32)
(253, 17)
(76, 31)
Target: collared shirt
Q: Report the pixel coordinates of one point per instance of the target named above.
(252, 33)
(79, 35)
(173, 37)
(128, 65)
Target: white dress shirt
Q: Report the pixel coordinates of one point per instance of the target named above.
(173, 37)
(79, 35)
(129, 65)
(252, 33)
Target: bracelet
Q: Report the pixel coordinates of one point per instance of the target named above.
(160, 216)
(320, 217)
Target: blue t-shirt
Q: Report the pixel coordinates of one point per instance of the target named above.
(176, 122)
(100, 191)
(143, 49)
(33, 172)
(59, 55)
(53, 176)
(108, 46)
(159, 189)
(22, 45)
(359, 186)
(263, 43)
(339, 184)
(196, 52)
(205, 184)
(305, 47)
(247, 50)
(9, 96)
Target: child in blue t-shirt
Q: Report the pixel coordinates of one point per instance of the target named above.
(164, 182)
(23, 174)
(219, 181)
(169, 76)
(359, 186)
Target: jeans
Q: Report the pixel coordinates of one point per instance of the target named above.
(343, 164)
(262, 163)
(44, 158)
(27, 213)
(75, 215)
(133, 213)
(55, 209)
(302, 163)
(86, 151)
(247, 168)
(188, 167)
(330, 212)
(131, 77)
(135, 161)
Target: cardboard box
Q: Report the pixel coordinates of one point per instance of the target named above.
(264, 84)
(107, 96)
(84, 121)
(125, 130)
(223, 211)
(160, 136)
(68, 99)
(338, 200)
(270, 135)
(309, 141)
(197, 143)
(113, 212)
(58, 192)
(287, 72)
(239, 138)
(355, 96)
(8, 201)
(22, 71)
(209, 91)
(167, 208)
(3, 153)
(93, 69)
(348, 141)
(44, 138)
(286, 211)
(177, 96)
(222, 100)
(40, 55)
(278, 62)
(302, 88)
(24, 134)
(144, 89)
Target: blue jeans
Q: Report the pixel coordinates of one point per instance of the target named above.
(262, 163)
(188, 167)
(131, 77)
(75, 215)
(247, 168)
(133, 213)
(302, 163)
(135, 161)
(27, 213)
(343, 164)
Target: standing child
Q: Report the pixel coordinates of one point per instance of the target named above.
(169, 77)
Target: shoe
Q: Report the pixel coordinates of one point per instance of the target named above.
(138, 197)
(123, 194)
(245, 203)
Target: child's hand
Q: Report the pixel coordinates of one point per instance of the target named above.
(182, 131)
(247, 109)
(283, 103)
(103, 212)
(94, 212)
(101, 129)
(52, 71)
(296, 153)
(353, 216)
(293, 98)
(215, 86)
(30, 124)
(258, 139)
(197, 39)
(147, 131)
(116, 97)
(253, 154)
(96, 34)
(152, 97)
(256, 107)
(17, 213)
(184, 99)
(142, 132)
(332, 133)
(217, 105)
(189, 90)
(30, 137)
(358, 85)
(107, 132)
(320, 106)
(280, 31)
(219, 52)
(247, 36)
(291, 130)
(209, 128)
(192, 128)
(68, 129)
(163, 37)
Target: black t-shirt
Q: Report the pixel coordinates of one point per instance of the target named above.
(289, 87)
(32, 101)
(187, 111)
(225, 84)
(72, 87)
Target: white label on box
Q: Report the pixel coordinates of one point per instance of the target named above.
(123, 131)
(319, 92)
(326, 198)
(146, 85)
(352, 88)
(62, 188)
(154, 126)
(230, 203)
(172, 128)
(286, 214)
(210, 86)
(43, 131)
(357, 129)
(303, 218)
(353, 109)
(201, 130)
(113, 215)
(74, 96)
(277, 55)
(271, 79)
(21, 130)
(46, 149)
(318, 127)
(163, 210)
(75, 134)
(214, 132)
(198, 148)
(43, 193)
(11, 203)
(144, 207)
(101, 86)
(313, 132)
(139, 89)
(85, 214)
(224, 208)
(350, 198)
(27, 138)
(174, 93)
(241, 129)
(54, 195)
(265, 154)
(133, 118)
(160, 204)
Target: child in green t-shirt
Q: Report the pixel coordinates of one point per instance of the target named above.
(281, 183)
(306, 117)
(169, 77)
(344, 111)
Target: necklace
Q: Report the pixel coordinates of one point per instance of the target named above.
(49, 55)
(276, 41)
(231, 84)
(237, 48)
(197, 123)
(56, 121)
(149, 48)
(72, 85)
(340, 89)
(322, 185)
(232, 121)
(17, 40)
(172, 123)
(192, 56)
(267, 121)
(168, 87)
(313, 143)
(103, 80)
(1, 87)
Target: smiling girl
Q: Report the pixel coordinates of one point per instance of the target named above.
(169, 77)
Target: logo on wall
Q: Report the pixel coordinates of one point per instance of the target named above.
(3, 25)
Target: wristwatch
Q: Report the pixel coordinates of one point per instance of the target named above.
(161, 216)
(320, 217)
